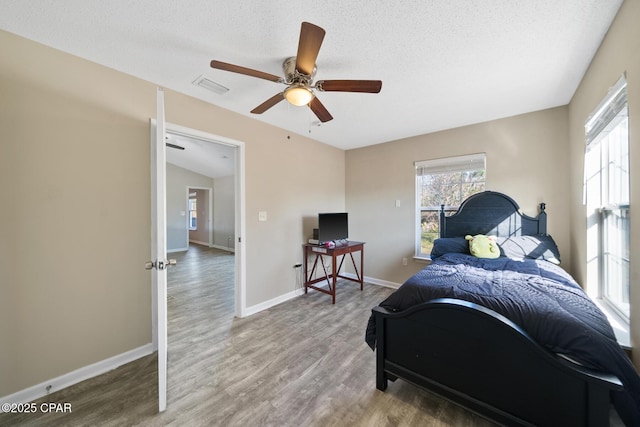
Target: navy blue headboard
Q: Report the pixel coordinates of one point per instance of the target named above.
(494, 214)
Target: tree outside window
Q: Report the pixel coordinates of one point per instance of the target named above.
(447, 182)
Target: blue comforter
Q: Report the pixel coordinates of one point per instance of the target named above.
(538, 296)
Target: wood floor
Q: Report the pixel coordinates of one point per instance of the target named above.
(301, 363)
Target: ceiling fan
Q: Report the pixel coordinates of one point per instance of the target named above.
(299, 72)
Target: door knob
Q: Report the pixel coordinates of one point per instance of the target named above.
(160, 265)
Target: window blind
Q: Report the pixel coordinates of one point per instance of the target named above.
(469, 162)
(610, 111)
(609, 108)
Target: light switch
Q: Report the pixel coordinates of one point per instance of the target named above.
(262, 216)
(397, 203)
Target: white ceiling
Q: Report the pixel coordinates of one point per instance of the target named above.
(212, 159)
(443, 63)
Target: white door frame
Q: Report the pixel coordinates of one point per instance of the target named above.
(210, 211)
(239, 245)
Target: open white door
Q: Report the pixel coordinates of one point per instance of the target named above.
(159, 262)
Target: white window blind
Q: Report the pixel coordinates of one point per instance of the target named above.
(465, 163)
(606, 196)
(604, 120)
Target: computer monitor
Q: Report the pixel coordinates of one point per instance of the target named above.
(333, 226)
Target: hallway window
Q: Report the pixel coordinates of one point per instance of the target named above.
(606, 193)
(193, 212)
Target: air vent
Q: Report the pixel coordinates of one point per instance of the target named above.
(208, 84)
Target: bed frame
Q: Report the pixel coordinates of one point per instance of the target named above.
(478, 358)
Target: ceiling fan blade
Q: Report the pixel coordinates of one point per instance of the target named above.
(369, 86)
(246, 71)
(319, 110)
(311, 37)
(177, 147)
(268, 103)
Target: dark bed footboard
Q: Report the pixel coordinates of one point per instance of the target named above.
(479, 359)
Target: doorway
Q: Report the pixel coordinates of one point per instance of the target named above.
(219, 160)
(160, 130)
(198, 204)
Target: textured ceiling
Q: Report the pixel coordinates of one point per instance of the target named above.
(205, 157)
(443, 63)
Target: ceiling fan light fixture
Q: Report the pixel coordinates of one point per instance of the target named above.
(298, 95)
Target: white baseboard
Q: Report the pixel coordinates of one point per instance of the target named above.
(224, 248)
(39, 390)
(375, 281)
(198, 242)
(170, 251)
(282, 298)
(272, 302)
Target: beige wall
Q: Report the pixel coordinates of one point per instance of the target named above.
(75, 201)
(280, 180)
(527, 158)
(619, 52)
(201, 233)
(178, 179)
(224, 212)
(75, 207)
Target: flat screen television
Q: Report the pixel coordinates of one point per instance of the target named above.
(333, 226)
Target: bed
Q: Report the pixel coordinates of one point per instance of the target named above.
(514, 339)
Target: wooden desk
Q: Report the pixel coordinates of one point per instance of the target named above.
(319, 252)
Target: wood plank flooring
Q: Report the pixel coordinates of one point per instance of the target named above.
(301, 363)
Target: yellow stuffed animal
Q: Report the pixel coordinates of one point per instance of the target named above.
(482, 246)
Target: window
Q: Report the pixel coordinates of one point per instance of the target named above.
(606, 193)
(446, 182)
(193, 211)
